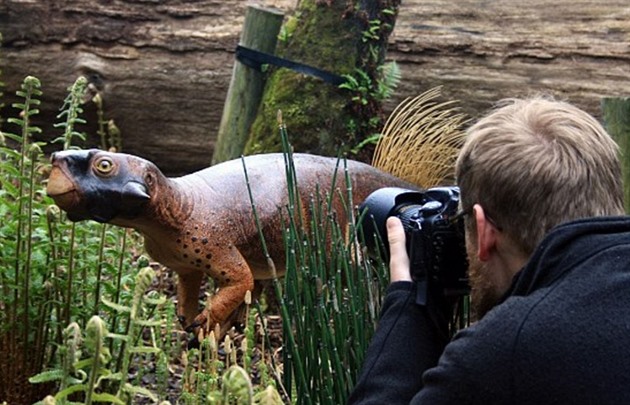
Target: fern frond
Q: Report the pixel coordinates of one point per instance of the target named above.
(71, 111)
(390, 77)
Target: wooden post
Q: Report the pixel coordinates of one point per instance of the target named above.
(260, 32)
(616, 115)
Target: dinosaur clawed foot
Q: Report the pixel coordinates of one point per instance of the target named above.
(192, 327)
(200, 328)
(203, 325)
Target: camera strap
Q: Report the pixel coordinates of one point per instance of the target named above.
(256, 59)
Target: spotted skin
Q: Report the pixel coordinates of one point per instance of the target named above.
(201, 225)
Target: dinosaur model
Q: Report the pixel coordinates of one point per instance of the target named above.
(202, 224)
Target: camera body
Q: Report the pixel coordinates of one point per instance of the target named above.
(434, 234)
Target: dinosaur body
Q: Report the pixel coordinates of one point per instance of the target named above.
(202, 224)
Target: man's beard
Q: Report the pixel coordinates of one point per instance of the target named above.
(483, 295)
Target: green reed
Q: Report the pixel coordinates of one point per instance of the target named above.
(329, 297)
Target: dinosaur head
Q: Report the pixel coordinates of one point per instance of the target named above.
(99, 185)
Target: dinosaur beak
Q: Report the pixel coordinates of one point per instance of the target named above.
(61, 189)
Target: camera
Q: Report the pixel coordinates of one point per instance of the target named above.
(434, 232)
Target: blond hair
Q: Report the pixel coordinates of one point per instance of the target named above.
(536, 163)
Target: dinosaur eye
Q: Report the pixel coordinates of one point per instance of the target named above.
(104, 165)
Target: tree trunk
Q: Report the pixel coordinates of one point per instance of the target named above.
(322, 118)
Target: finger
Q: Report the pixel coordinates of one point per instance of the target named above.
(398, 257)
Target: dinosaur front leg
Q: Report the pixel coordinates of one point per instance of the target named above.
(234, 278)
(188, 287)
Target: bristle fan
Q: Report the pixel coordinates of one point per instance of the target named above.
(421, 139)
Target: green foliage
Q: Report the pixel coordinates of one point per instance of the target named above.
(338, 37)
(52, 272)
(372, 81)
(389, 77)
(82, 318)
(372, 32)
(55, 273)
(364, 91)
(88, 374)
(364, 88)
(330, 296)
(289, 27)
(24, 275)
(360, 85)
(107, 131)
(71, 112)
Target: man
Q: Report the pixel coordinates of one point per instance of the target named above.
(549, 271)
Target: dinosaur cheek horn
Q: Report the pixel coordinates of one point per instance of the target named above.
(135, 194)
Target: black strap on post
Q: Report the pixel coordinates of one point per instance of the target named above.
(255, 59)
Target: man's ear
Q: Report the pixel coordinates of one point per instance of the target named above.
(486, 234)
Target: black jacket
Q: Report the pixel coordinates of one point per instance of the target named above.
(561, 334)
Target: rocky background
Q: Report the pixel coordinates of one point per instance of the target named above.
(164, 67)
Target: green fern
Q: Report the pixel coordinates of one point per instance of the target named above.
(389, 79)
(71, 113)
(97, 369)
(107, 131)
(22, 275)
(42, 254)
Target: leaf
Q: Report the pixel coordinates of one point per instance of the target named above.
(83, 363)
(109, 377)
(140, 391)
(16, 121)
(116, 307)
(144, 349)
(105, 397)
(118, 336)
(155, 301)
(46, 376)
(70, 390)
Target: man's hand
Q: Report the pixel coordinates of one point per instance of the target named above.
(398, 257)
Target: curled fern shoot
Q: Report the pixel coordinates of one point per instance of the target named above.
(237, 387)
(96, 331)
(70, 112)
